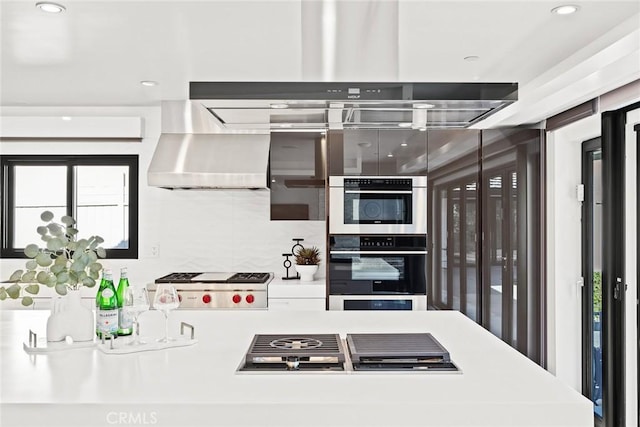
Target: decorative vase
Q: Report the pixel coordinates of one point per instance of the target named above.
(306, 272)
(69, 318)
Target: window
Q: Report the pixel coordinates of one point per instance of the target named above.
(99, 191)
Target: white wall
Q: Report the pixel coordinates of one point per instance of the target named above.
(564, 255)
(196, 230)
(564, 248)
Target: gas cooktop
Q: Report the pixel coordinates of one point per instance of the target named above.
(214, 278)
(390, 352)
(295, 352)
(218, 290)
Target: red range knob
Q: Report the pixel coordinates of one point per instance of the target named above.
(179, 297)
(206, 298)
(236, 298)
(250, 298)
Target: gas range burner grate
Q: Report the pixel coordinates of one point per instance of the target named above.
(296, 343)
(315, 352)
(249, 278)
(177, 278)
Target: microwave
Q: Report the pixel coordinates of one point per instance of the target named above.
(377, 205)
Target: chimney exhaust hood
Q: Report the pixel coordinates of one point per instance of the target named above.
(220, 137)
(282, 106)
(192, 153)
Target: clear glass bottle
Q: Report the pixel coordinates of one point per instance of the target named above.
(106, 306)
(125, 321)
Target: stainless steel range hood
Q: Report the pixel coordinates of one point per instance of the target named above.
(281, 106)
(192, 153)
(220, 137)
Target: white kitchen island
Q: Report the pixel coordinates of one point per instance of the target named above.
(199, 385)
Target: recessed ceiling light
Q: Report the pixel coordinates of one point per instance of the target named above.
(279, 106)
(149, 83)
(66, 118)
(50, 7)
(422, 129)
(404, 125)
(404, 144)
(471, 58)
(423, 105)
(389, 155)
(566, 9)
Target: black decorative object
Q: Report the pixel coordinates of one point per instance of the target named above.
(287, 265)
(297, 244)
(287, 261)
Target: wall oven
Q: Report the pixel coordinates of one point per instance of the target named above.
(378, 205)
(377, 272)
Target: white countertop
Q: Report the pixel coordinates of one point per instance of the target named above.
(199, 385)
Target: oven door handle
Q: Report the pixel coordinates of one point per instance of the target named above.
(378, 192)
(379, 252)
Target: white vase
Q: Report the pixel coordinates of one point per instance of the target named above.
(306, 272)
(69, 318)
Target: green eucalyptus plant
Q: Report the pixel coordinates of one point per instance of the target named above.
(65, 263)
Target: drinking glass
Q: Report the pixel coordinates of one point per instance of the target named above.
(165, 300)
(136, 302)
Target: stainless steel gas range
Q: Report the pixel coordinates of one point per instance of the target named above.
(218, 290)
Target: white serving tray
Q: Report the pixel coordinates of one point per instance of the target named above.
(122, 347)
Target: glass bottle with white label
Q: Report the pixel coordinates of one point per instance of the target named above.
(125, 320)
(106, 307)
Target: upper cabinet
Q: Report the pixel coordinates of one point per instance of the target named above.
(377, 152)
(297, 169)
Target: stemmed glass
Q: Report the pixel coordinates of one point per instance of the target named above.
(136, 302)
(165, 300)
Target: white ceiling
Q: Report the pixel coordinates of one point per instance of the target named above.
(97, 52)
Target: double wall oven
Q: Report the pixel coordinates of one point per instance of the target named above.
(377, 243)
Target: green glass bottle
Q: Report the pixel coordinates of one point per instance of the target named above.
(106, 306)
(125, 321)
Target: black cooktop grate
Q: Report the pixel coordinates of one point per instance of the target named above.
(395, 346)
(300, 345)
(177, 278)
(248, 278)
(190, 277)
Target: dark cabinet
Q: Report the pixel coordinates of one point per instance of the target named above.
(297, 172)
(377, 152)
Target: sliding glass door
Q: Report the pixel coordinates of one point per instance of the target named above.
(457, 253)
(487, 236)
(592, 275)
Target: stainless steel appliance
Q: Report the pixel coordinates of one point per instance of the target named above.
(392, 352)
(204, 140)
(218, 290)
(398, 352)
(378, 205)
(295, 352)
(371, 272)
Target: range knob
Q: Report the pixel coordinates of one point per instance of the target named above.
(236, 298)
(179, 297)
(250, 299)
(206, 298)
